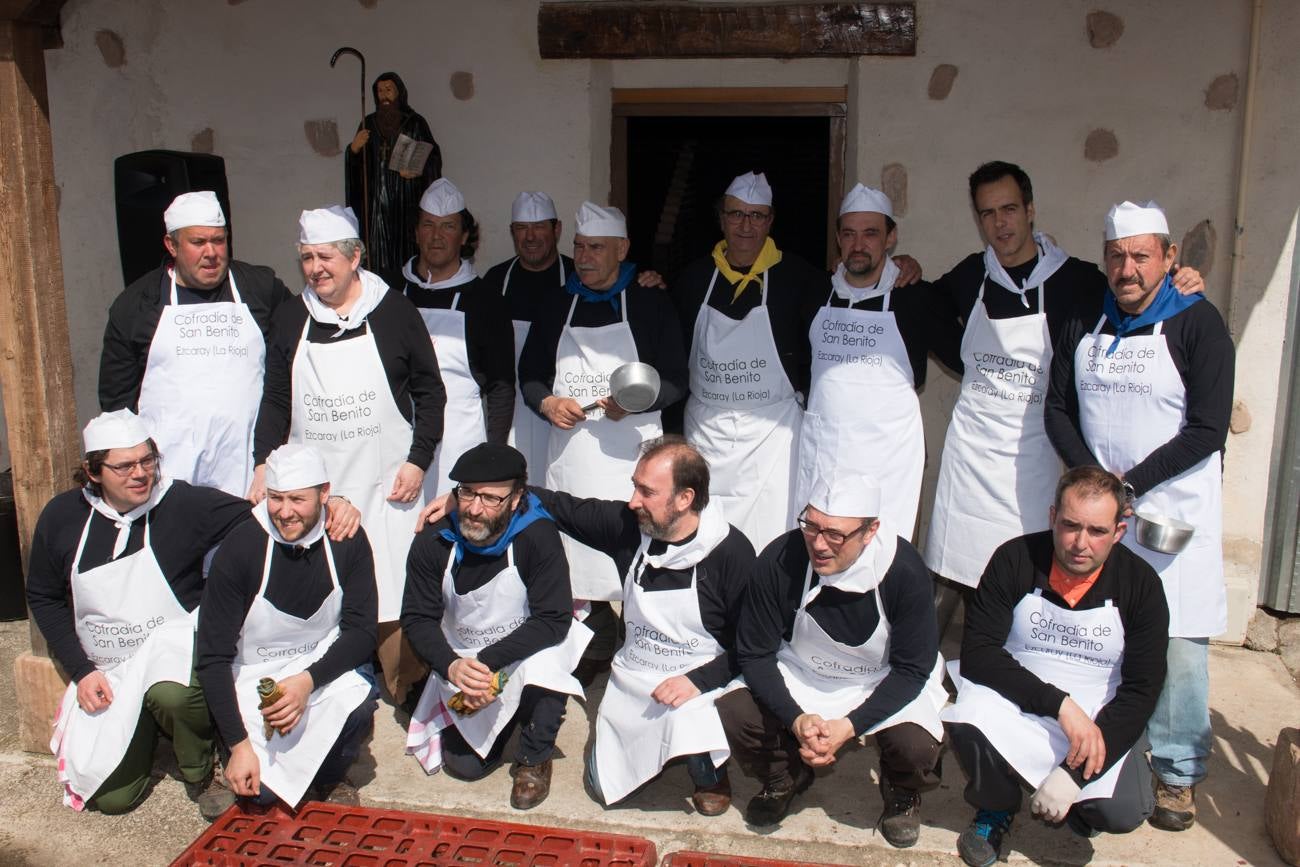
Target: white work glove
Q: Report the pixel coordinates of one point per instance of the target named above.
(1055, 796)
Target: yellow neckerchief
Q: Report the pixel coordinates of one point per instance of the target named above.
(767, 257)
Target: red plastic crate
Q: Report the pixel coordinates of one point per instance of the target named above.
(331, 834)
(711, 859)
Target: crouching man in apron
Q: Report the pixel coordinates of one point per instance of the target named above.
(1061, 663)
(283, 602)
(837, 639)
(488, 606)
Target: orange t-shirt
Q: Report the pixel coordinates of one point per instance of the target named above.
(1069, 587)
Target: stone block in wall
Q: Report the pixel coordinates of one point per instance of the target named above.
(1282, 803)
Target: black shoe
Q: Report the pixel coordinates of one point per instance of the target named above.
(900, 823)
(1075, 823)
(211, 796)
(981, 843)
(772, 804)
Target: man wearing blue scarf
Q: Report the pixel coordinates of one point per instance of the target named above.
(1143, 387)
(488, 606)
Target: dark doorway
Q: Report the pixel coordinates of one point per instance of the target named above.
(672, 162)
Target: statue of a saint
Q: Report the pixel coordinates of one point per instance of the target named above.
(387, 200)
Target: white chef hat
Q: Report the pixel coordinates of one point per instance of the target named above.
(532, 207)
(294, 466)
(194, 209)
(846, 495)
(597, 222)
(865, 199)
(119, 429)
(752, 189)
(442, 199)
(1129, 218)
(323, 225)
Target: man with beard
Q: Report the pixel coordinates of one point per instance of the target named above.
(488, 606)
(386, 201)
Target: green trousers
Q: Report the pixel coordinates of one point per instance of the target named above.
(179, 712)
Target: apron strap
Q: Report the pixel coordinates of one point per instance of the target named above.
(1157, 328)
(455, 299)
(1096, 331)
(234, 291)
(329, 561)
(884, 304)
(81, 543)
(559, 259)
(573, 305)
(505, 282)
(266, 565)
(708, 293)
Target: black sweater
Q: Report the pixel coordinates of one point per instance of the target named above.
(1204, 355)
(1014, 570)
(489, 345)
(404, 349)
(297, 585)
(767, 619)
(185, 524)
(530, 291)
(611, 527)
(133, 318)
(538, 556)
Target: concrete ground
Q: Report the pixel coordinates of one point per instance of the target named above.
(1252, 697)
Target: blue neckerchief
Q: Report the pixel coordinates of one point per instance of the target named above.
(626, 271)
(519, 522)
(1167, 303)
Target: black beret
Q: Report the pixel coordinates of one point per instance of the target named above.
(490, 462)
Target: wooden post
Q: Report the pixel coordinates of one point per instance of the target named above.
(35, 355)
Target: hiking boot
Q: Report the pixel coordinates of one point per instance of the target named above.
(212, 797)
(532, 785)
(712, 800)
(772, 804)
(1175, 807)
(900, 823)
(981, 843)
(342, 793)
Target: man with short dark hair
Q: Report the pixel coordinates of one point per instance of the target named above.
(1062, 659)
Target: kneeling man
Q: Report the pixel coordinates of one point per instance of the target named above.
(284, 603)
(1062, 660)
(488, 606)
(837, 639)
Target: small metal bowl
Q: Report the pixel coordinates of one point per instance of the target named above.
(633, 386)
(1159, 533)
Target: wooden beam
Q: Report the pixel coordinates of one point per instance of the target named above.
(35, 354)
(750, 95)
(625, 30)
(43, 13)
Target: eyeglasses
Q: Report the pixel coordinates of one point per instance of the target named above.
(465, 496)
(758, 218)
(834, 538)
(123, 470)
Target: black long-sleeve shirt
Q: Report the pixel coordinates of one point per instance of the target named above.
(958, 290)
(133, 318)
(655, 331)
(404, 349)
(1018, 567)
(767, 619)
(538, 556)
(1204, 355)
(611, 527)
(185, 524)
(298, 583)
(530, 291)
(489, 345)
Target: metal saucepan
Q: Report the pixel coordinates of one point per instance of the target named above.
(1163, 534)
(633, 386)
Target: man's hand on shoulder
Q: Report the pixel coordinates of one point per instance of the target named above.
(342, 519)
(909, 270)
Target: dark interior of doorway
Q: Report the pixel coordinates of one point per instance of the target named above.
(678, 167)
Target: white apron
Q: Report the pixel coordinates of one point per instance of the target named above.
(999, 471)
(472, 622)
(1130, 404)
(135, 632)
(636, 735)
(1080, 652)
(529, 432)
(744, 418)
(343, 407)
(201, 389)
(863, 414)
(276, 645)
(462, 420)
(831, 679)
(597, 456)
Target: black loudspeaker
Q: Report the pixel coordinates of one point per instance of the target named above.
(145, 183)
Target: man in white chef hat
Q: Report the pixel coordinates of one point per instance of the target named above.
(837, 639)
(1142, 384)
(286, 604)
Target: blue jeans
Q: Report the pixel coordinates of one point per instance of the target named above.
(1179, 729)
